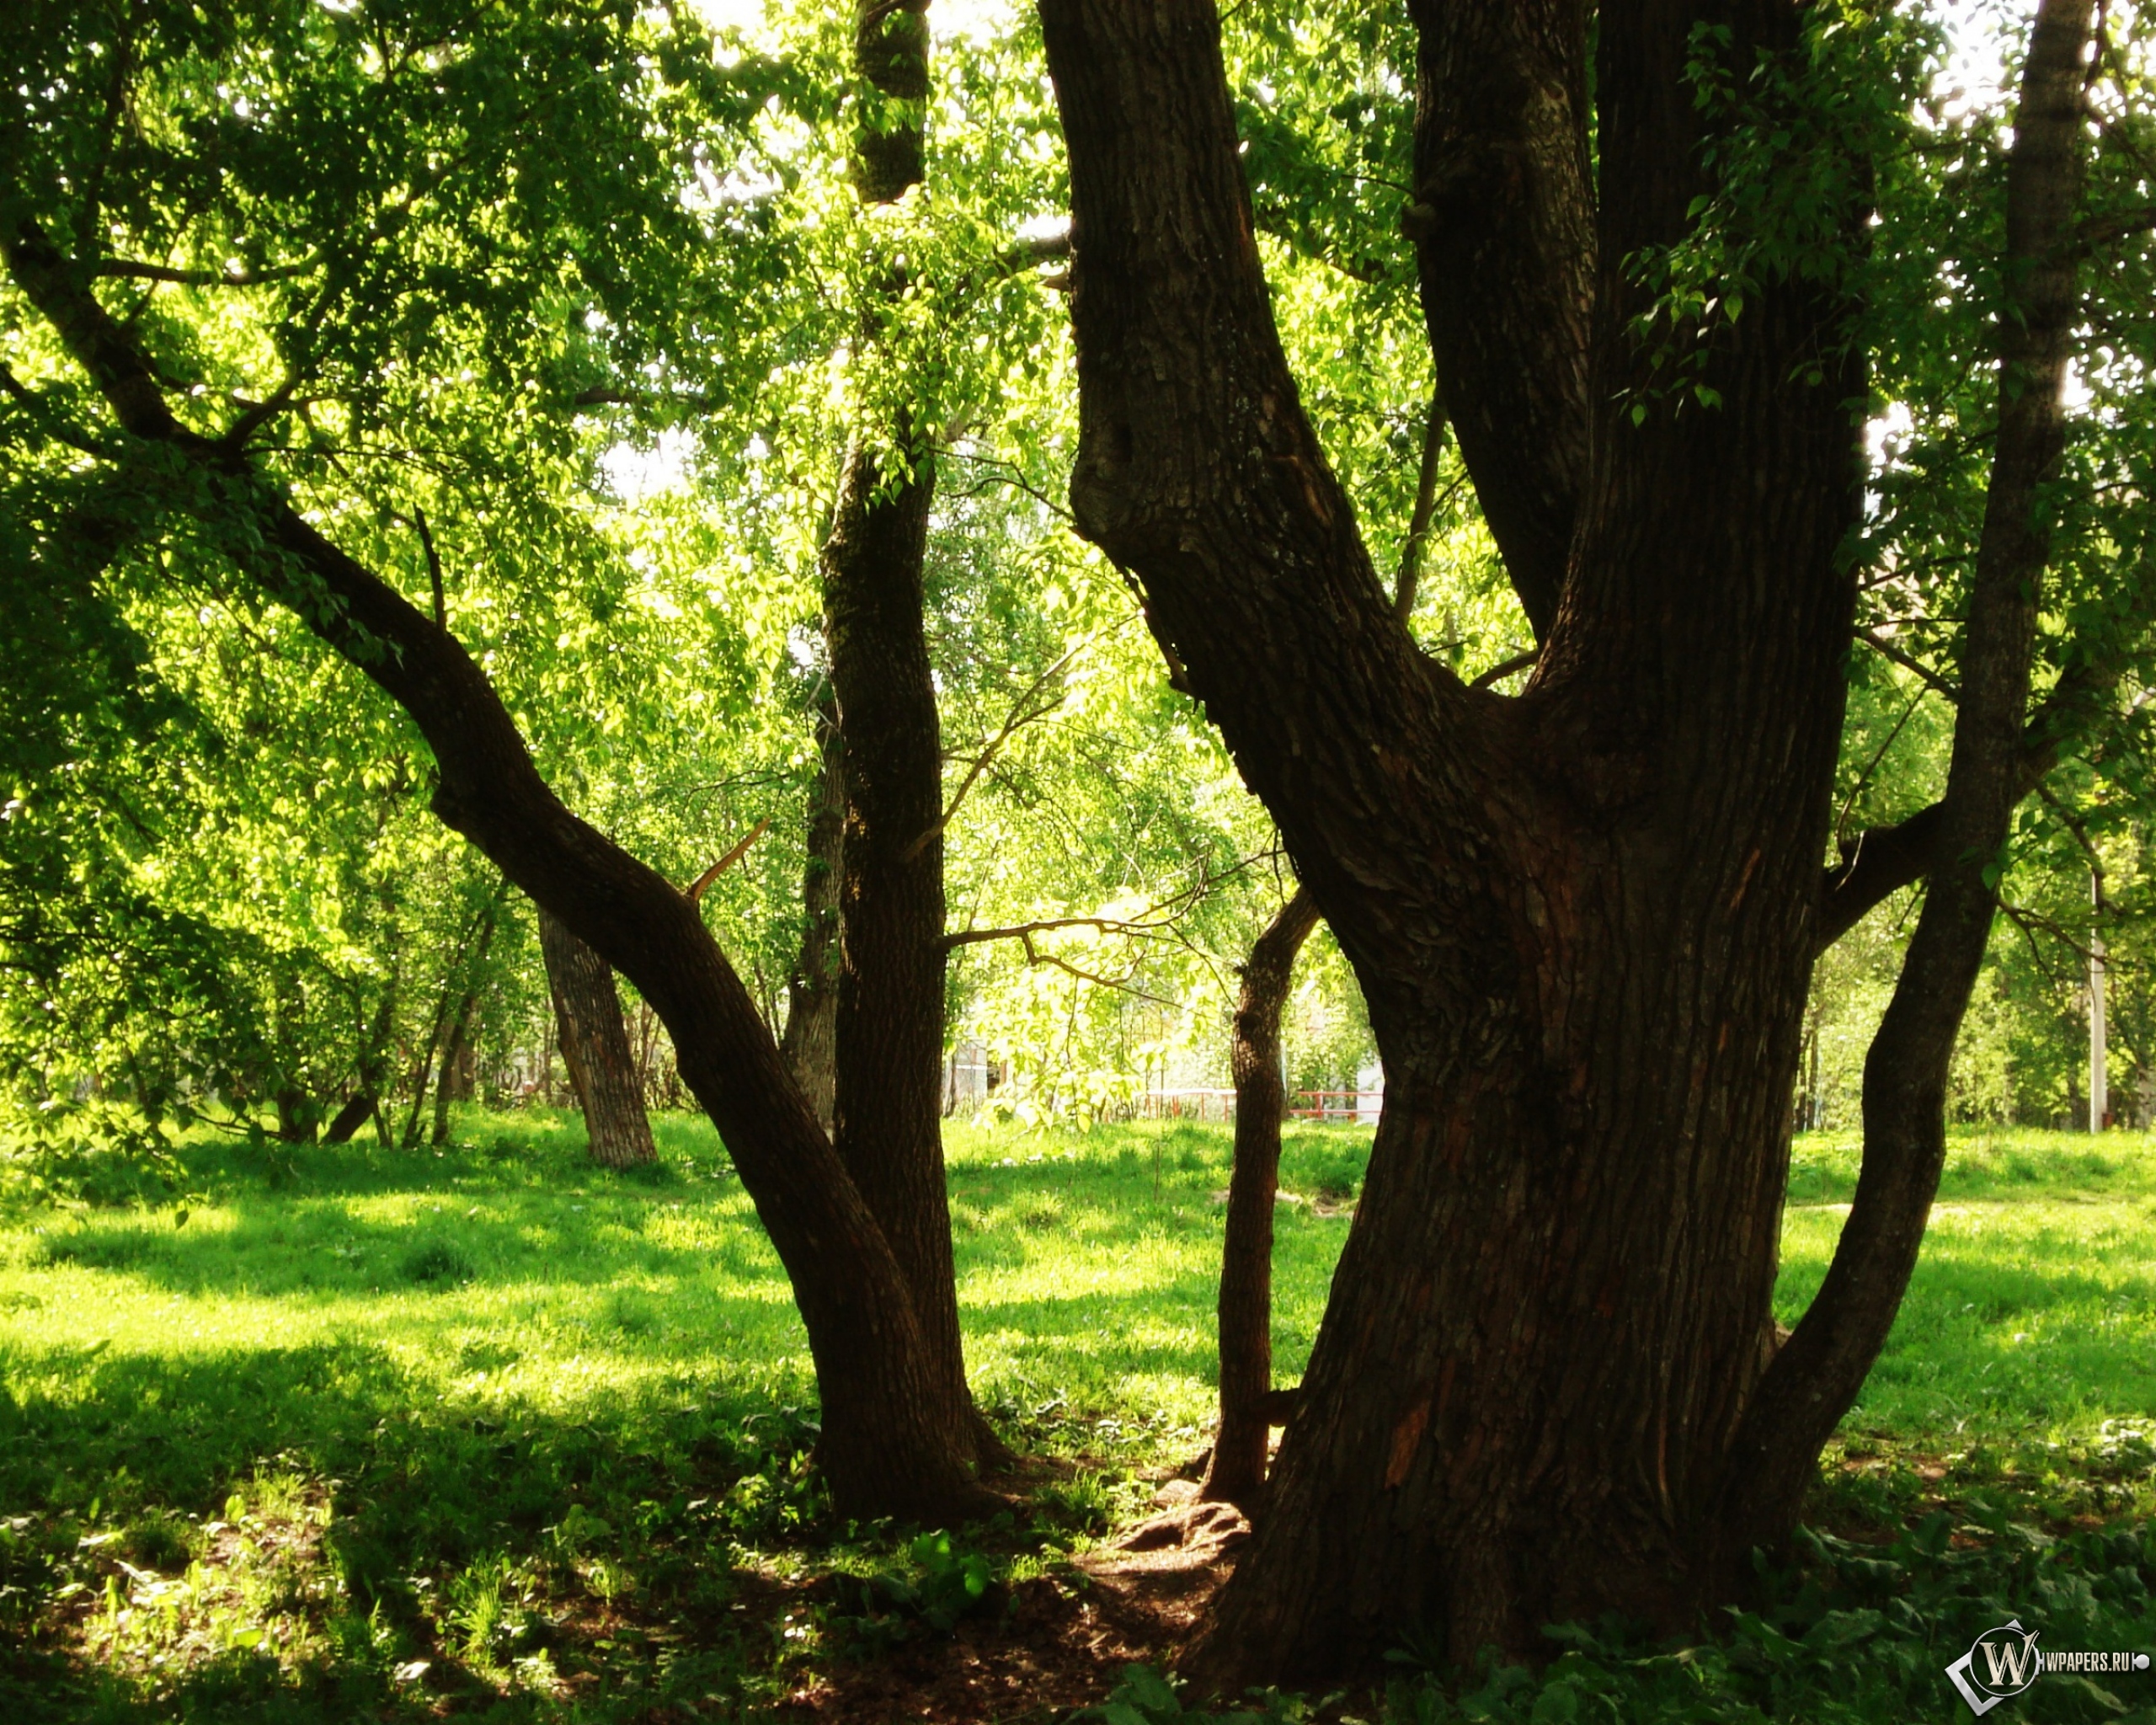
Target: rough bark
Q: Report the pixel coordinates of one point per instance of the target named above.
(1236, 1472)
(810, 1040)
(887, 1122)
(1583, 918)
(1503, 227)
(889, 1445)
(595, 1041)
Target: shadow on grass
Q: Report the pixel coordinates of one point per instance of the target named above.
(184, 1516)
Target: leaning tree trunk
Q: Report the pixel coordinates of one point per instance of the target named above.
(1584, 918)
(891, 1445)
(1236, 1471)
(810, 1041)
(595, 1047)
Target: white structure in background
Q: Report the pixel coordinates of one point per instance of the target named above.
(1369, 1094)
(2099, 1099)
(965, 1078)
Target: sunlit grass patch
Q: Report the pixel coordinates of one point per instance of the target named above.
(379, 1434)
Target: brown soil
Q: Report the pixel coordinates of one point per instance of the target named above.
(1065, 1640)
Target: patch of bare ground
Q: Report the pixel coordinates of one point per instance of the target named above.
(1064, 1640)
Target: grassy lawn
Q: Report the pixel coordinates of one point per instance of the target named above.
(381, 1436)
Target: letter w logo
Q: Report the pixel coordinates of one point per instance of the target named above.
(2009, 1662)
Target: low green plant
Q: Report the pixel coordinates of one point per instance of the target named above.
(948, 1580)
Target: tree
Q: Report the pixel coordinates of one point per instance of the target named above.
(544, 122)
(595, 1049)
(1236, 1470)
(1548, 1383)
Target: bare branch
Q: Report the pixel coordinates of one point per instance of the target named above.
(1021, 714)
(1023, 930)
(129, 269)
(703, 881)
(1505, 667)
(1908, 662)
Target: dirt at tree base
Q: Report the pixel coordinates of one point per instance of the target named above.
(1063, 1642)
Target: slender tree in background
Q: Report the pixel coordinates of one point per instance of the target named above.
(595, 1041)
(1547, 1384)
(810, 1041)
(887, 1123)
(1248, 1403)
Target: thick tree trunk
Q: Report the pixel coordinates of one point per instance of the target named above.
(1236, 1471)
(889, 1445)
(810, 1042)
(595, 1047)
(1584, 919)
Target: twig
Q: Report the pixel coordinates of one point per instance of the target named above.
(1908, 662)
(702, 881)
(1018, 716)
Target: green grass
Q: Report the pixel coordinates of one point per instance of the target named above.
(544, 1428)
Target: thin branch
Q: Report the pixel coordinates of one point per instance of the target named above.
(1425, 511)
(1021, 714)
(66, 434)
(433, 567)
(1034, 956)
(703, 881)
(130, 270)
(1505, 667)
(1022, 931)
(1908, 662)
(1863, 778)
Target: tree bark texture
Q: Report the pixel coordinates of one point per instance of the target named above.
(595, 1041)
(888, 1120)
(810, 1040)
(1584, 918)
(1503, 227)
(1236, 1472)
(890, 1445)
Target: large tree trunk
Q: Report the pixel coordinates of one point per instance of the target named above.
(891, 1445)
(1584, 919)
(889, 1118)
(1236, 1471)
(810, 1041)
(595, 1047)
